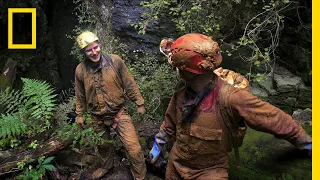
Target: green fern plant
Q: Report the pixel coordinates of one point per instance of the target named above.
(64, 108)
(11, 125)
(10, 100)
(27, 111)
(40, 99)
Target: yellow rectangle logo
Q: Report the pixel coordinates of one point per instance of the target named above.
(10, 28)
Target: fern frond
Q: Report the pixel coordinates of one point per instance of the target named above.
(12, 126)
(40, 98)
(65, 107)
(10, 100)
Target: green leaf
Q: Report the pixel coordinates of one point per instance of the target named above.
(48, 159)
(49, 167)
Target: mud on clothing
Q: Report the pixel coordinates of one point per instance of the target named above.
(101, 89)
(202, 143)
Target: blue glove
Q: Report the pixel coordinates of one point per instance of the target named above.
(154, 153)
(308, 148)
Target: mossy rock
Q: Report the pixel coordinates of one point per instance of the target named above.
(264, 157)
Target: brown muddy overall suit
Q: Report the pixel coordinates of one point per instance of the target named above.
(201, 146)
(102, 90)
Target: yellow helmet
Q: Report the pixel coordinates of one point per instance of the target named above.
(86, 38)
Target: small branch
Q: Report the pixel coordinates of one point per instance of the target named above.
(11, 171)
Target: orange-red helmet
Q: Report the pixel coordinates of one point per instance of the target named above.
(196, 53)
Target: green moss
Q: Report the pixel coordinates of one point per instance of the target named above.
(266, 157)
(307, 128)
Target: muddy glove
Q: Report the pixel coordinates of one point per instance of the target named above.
(158, 144)
(154, 153)
(80, 121)
(141, 110)
(306, 145)
(156, 158)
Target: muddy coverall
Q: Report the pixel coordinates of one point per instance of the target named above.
(101, 90)
(203, 140)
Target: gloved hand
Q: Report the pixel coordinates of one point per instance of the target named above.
(154, 153)
(160, 162)
(80, 121)
(308, 148)
(156, 158)
(141, 110)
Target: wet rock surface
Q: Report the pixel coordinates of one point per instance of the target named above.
(126, 12)
(303, 116)
(284, 90)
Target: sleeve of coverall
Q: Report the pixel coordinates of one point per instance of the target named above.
(79, 92)
(265, 117)
(168, 126)
(130, 85)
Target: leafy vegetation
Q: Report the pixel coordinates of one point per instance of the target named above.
(10, 99)
(86, 137)
(12, 126)
(68, 129)
(156, 81)
(32, 113)
(40, 100)
(35, 173)
(31, 110)
(261, 23)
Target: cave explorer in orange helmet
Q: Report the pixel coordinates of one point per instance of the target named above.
(100, 83)
(206, 106)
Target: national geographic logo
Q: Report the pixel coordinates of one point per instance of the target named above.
(22, 28)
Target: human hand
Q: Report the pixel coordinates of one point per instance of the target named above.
(308, 148)
(80, 121)
(160, 162)
(141, 110)
(155, 157)
(154, 153)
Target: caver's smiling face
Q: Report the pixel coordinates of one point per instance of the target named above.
(92, 51)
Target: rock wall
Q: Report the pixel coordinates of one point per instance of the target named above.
(285, 90)
(126, 12)
(61, 22)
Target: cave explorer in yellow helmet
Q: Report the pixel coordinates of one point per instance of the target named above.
(100, 83)
(207, 105)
